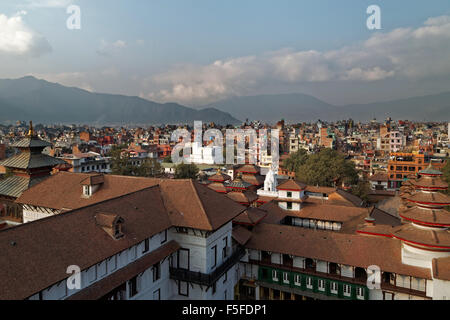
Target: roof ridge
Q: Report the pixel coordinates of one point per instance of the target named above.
(77, 209)
(201, 203)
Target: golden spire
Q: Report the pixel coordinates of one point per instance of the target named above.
(31, 132)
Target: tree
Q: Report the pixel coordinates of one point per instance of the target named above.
(446, 175)
(327, 168)
(361, 190)
(120, 163)
(295, 160)
(186, 171)
(167, 159)
(148, 168)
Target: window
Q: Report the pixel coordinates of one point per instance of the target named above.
(274, 275)
(214, 287)
(156, 272)
(164, 236)
(285, 277)
(157, 294)
(289, 194)
(225, 277)
(214, 254)
(347, 290)
(360, 293)
(225, 246)
(297, 280)
(183, 288)
(309, 283)
(132, 285)
(321, 285)
(92, 273)
(146, 246)
(87, 190)
(225, 295)
(289, 205)
(334, 287)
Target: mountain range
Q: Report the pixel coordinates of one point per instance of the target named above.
(303, 108)
(29, 98)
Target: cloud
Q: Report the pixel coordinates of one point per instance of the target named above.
(48, 3)
(17, 39)
(106, 49)
(403, 53)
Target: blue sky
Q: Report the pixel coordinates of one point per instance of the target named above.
(166, 50)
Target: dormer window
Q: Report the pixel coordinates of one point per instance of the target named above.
(112, 224)
(87, 191)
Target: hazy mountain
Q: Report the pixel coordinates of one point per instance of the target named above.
(302, 107)
(41, 101)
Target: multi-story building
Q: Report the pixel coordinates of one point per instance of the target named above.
(170, 239)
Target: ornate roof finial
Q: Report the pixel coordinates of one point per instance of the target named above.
(31, 132)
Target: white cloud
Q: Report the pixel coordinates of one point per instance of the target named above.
(48, 3)
(106, 48)
(17, 39)
(404, 53)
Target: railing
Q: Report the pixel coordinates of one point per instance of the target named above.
(207, 279)
(358, 280)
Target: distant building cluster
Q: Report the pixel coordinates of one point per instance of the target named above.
(248, 231)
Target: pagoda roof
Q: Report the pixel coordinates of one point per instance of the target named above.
(428, 182)
(15, 185)
(430, 198)
(248, 168)
(238, 184)
(219, 177)
(218, 187)
(423, 238)
(31, 142)
(28, 160)
(430, 171)
(431, 217)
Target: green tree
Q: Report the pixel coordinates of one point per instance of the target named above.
(295, 160)
(327, 168)
(186, 171)
(361, 190)
(446, 175)
(120, 163)
(168, 159)
(148, 168)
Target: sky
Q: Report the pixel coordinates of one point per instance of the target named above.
(196, 52)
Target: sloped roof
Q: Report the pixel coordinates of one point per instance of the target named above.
(241, 235)
(349, 249)
(441, 268)
(250, 216)
(292, 185)
(31, 142)
(48, 246)
(14, 186)
(27, 160)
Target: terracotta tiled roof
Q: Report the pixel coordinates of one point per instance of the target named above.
(64, 190)
(328, 212)
(246, 196)
(428, 238)
(432, 217)
(14, 186)
(430, 183)
(47, 247)
(349, 249)
(379, 176)
(248, 168)
(250, 216)
(292, 185)
(441, 268)
(217, 186)
(241, 235)
(430, 198)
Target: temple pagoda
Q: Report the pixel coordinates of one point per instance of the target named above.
(27, 168)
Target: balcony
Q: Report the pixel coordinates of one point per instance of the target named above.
(207, 279)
